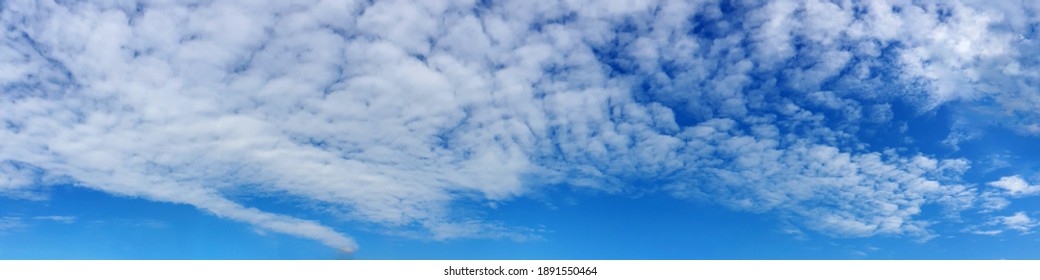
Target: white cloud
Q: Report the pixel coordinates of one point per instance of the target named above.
(392, 111)
(15, 179)
(1015, 186)
(835, 192)
(992, 201)
(1019, 221)
(988, 232)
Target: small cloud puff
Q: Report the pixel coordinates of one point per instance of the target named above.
(1019, 221)
(1016, 186)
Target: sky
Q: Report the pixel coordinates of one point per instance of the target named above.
(815, 129)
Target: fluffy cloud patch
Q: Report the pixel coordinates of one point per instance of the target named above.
(1019, 221)
(14, 177)
(1015, 186)
(391, 112)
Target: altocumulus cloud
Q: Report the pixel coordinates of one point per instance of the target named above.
(392, 111)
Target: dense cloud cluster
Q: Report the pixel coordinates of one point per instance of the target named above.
(391, 111)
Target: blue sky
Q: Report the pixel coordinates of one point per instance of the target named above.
(519, 130)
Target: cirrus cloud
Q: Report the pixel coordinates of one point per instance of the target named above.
(394, 110)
